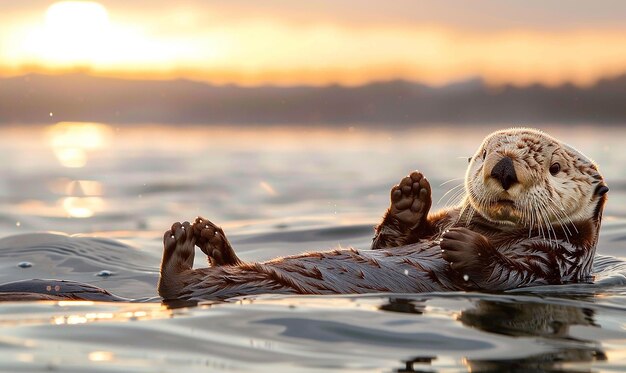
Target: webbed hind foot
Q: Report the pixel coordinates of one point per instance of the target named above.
(178, 255)
(213, 242)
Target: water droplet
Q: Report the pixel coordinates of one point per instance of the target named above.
(24, 264)
(465, 278)
(406, 272)
(17, 223)
(105, 273)
(51, 114)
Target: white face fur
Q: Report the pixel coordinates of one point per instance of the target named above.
(556, 184)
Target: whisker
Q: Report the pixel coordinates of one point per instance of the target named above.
(453, 189)
(451, 180)
(544, 221)
(562, 217)
(456, 199)
(549, 227)
(539, 224)
(567, 216)
(466, 213)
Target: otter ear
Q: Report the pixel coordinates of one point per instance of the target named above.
(601, 190)
(469, 160)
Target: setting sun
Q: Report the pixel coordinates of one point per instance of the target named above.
(227, 43)
(73, 32)
(67, 17)
(81, 34)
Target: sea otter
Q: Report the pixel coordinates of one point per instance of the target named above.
(530, 216)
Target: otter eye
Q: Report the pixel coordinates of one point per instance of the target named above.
(555, 168)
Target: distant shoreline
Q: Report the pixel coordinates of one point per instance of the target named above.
(47, 99)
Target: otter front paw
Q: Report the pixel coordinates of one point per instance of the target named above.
(213, 242)
(406, 219)
(411, 200)
(469, 254)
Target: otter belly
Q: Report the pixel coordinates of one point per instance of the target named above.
(415, 268)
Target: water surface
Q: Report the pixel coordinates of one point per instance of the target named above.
(89, 203)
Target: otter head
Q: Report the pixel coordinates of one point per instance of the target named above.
(525, 178)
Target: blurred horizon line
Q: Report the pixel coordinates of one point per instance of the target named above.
(45, 99)
(195, 76)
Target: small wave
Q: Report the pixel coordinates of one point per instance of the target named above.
(134, 273)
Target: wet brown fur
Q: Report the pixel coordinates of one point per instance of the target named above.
(483, 244)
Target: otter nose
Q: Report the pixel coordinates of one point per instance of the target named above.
(504, 172)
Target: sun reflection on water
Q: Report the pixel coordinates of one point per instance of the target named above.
(82, 207)
(71, 142)
(125, 312)
(101, 356)
(83, 199)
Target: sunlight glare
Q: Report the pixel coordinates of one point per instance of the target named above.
(101, 356)
(74, 31)
(71, 141)
(80, 34)
(82, 207)
(183, 43)
(66, 17)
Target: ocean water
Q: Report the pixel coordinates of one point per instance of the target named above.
(90, 203)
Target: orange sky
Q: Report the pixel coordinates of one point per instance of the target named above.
(348, 42)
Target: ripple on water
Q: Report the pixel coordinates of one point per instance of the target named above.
(349, 333)
(548, 328)
(119, 268)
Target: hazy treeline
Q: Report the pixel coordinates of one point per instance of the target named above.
(79, 97)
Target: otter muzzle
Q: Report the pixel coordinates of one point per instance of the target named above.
(504, 172)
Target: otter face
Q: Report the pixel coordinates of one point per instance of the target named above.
(523, 177)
